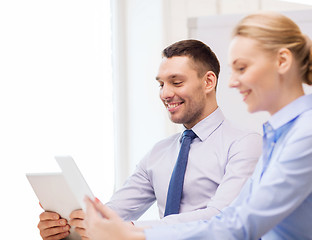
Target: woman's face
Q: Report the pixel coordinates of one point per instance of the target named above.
(254, 74)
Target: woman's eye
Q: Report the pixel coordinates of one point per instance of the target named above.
(241, 69)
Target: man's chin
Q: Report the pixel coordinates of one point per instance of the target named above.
(175, 120)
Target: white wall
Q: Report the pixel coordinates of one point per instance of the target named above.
(179, 11)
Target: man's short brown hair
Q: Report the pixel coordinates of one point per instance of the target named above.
(203, 57)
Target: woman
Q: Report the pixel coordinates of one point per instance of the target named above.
(270, 59)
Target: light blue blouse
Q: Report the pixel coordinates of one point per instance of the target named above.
(276, 202)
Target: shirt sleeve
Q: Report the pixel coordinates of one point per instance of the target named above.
(242, 159)
(283, 188)
(135, 196)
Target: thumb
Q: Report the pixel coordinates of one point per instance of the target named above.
(91, 212)
(105, 211)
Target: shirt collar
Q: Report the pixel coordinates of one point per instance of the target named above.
(290, 111)
(208, 125)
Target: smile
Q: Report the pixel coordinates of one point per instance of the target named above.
(245, 94)
(172, 106)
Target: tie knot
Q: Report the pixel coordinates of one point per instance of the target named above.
(189, 133)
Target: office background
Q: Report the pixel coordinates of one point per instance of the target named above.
(78, 78)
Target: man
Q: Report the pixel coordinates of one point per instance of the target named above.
(220, 159)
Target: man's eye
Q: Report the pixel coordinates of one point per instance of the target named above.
(177, 83)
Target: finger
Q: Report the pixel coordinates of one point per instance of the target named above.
(54, 232)
(49, 216)
(77, 223)
(85, 238)
(90, 209)
(77, 214)
(57, 236)
(105, 211)
(81, 231)
(51, 223)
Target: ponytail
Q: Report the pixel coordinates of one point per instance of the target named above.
(308, 66)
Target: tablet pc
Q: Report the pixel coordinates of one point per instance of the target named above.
(61, 192)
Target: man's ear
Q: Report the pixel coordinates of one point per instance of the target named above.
(210, 79)
(284, 60)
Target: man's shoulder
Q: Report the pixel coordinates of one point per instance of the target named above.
(162, 147)
(242, 140)
(172, 139)
(234, 131)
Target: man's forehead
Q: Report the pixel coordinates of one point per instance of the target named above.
(175, 62)
(174, 67)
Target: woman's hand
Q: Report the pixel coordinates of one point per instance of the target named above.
(103, 223)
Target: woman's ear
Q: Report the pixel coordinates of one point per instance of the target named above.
(284, 60)
(210, 81)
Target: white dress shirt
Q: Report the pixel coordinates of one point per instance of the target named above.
(220, 161)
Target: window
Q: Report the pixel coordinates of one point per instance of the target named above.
(55, 99)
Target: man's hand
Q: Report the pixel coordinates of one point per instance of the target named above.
(77, 220)
(103, 223)
(52, 226)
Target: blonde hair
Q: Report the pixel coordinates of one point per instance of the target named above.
(275, 31)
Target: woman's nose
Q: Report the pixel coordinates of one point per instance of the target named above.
(233, 82)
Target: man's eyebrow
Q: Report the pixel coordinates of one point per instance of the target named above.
(172, 76)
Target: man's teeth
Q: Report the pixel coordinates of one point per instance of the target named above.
(172, 105)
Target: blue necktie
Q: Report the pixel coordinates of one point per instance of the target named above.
(177, 178)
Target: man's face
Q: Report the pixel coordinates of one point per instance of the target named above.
(182, 91)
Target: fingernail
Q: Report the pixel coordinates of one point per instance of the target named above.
(62, 222)
(96, 200)
(65, 234)
(66, 228)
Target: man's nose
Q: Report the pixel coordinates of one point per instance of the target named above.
(166, 92)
